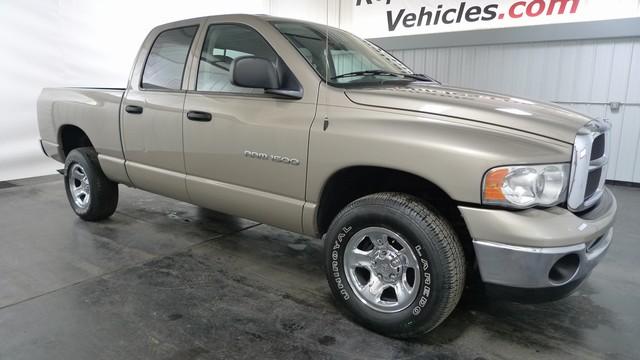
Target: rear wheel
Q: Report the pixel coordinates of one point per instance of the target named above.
(91, 195)
(395, 264)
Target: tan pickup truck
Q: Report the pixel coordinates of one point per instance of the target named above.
(416, 187)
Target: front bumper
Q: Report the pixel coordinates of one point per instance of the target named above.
(540, 249)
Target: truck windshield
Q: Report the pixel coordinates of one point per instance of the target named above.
(351, 60)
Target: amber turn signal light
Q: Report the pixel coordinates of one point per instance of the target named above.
(493, 184)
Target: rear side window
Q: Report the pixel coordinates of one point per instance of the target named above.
(165, 64)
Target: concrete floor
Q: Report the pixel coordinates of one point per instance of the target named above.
(166, 280)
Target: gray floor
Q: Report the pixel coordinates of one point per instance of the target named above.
(166, 280)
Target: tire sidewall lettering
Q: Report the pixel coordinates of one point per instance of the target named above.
(425, 270)
(335, 268)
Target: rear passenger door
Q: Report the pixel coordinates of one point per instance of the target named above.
(250, 157)
(152, 112)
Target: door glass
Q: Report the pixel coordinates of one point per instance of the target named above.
(165, 64)
(222, 45)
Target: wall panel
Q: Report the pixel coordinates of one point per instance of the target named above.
(584, 75)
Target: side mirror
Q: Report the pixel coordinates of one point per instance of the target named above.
(254, 72)
(260, 73)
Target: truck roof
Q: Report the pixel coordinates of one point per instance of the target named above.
(237, 17)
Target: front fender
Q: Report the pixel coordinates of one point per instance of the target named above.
(451, 153)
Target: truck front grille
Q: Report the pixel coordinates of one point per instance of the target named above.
(588, 166)
(597, 148)
(593, 180)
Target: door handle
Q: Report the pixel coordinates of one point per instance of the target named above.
(199, 116)
(133, 109)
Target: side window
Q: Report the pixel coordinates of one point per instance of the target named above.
(164, 68)
(311, 44)
(222, 45)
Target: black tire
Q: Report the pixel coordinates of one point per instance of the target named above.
(434, 244)
(103, 198)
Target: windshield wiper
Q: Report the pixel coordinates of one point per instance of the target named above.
(422, 77)
(364, 73)
(419, 77)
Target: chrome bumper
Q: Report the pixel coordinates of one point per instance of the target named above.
(540, 248)
(528, 267)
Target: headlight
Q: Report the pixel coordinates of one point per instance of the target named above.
(526, 186)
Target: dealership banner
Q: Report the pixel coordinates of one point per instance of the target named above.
(383, 18)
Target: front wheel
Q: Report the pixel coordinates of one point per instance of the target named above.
(395, 264)
(91, 194)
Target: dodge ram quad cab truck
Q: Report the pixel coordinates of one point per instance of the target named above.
(415, 187)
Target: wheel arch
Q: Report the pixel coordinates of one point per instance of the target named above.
(71, 137)
(351, 183)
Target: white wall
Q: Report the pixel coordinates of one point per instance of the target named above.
(48, 43)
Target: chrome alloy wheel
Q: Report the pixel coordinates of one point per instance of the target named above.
(381, 269)
(79, 186)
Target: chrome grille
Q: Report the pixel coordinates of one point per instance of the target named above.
(593, 181)
(588, 166)
(598, 147)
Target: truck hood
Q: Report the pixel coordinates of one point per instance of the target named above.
(529, 116)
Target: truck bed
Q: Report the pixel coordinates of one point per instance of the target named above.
(94, 110)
